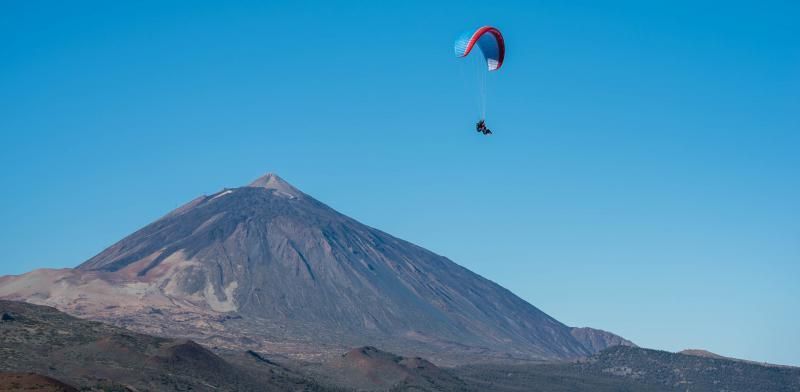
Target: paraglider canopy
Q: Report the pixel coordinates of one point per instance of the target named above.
(490, 42)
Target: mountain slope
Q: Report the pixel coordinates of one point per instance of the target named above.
(268, 267)
(597, 340)
(689, 372)
(369, 368)
(18, 382)
(95, 355)
(626, 368)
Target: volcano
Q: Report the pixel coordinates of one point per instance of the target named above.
(268, 267)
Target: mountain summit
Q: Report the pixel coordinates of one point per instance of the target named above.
(267, 267)
(273, 181)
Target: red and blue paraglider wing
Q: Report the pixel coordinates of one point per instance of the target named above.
(489, 40)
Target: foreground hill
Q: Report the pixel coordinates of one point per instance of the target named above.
(44, 349)
(369, 368)
(625, 368)
(690, 372)
(268, 268)
(19, 382)
(87, 354)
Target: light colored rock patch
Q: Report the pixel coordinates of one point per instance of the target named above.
(80, 293)
(226, 305)
(174, 263)
(105, 295)
(173, 269)
(38, 284)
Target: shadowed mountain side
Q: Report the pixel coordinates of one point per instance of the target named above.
(19, 382)
(95, 356)
(88, 354)
(619, 368)
(545, 378)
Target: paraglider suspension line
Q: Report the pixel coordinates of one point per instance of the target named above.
(482, 73)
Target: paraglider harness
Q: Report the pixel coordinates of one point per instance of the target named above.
(481, 127)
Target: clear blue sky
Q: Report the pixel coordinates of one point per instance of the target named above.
(644, 176)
